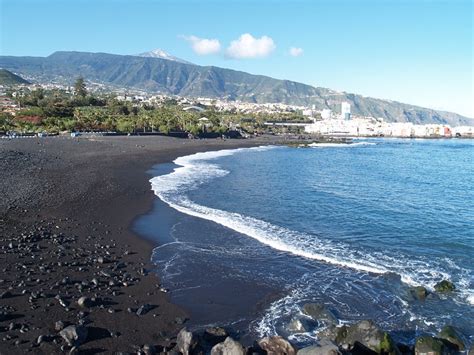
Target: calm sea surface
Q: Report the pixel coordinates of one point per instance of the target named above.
(349, 226)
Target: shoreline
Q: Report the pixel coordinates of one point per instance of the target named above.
(79, 188)
(85, 194)
(159, 211)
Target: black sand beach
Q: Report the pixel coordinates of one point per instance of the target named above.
(66, 208)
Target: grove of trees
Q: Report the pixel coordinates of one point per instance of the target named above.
(57, 111)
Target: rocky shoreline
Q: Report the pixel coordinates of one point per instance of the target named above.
(76, 280)
(363, 337)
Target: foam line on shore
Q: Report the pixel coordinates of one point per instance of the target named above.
(340, 145)
(197, 169)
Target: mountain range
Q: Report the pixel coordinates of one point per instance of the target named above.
(154, 73)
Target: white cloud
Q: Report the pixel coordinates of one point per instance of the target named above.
(295, 51)
(247, 46)
(203, 46)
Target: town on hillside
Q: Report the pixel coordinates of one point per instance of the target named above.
(56, 108)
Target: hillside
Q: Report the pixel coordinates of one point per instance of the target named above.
(8, 78)
(171, 77)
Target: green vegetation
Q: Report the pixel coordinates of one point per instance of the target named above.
(80, 88)
(8, 78)
(55, 111)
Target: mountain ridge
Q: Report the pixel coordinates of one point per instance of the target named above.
(190, 80)
(160, 53)
(9, 78)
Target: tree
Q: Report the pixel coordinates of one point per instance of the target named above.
(80, 87)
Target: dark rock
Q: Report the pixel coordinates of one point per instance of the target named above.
(444, 286)
(144, 309)
(428, 345)
(5, 294)
(451, 335)
(367, 334)
(418, 293)
(74, 335)
(277, 345)
(319, 312)
(228, 347)
(186, 342)
(215, 335)
(325, 347)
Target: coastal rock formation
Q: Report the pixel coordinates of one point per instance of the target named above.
(228, 347)
(319, 312)
(419, 293)
(301, 325)
(186, 342)
(444, 286)
(451, 335)
(214, 335)
(367, 334)
(427, 345)
(325, 347)
(276, 345)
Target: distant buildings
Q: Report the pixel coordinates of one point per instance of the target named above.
(369, 127)
(326, 114)
(345, 110)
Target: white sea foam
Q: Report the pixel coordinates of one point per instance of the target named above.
(197, 169)
(339, 145)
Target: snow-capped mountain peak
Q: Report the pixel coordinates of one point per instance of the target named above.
(159, 53)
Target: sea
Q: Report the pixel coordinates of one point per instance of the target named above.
(248, 236)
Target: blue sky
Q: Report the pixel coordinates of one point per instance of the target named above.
(412, 51)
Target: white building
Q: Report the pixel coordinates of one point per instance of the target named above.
(345, 110)
(326, 114)
(463, 131)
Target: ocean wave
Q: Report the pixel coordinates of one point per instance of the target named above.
(339, 145)
(198, 169)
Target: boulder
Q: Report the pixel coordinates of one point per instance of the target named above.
(74, 335)
(450, 335)
(302, 325)
(276, 345)
(228, 347)
(186, 342)
(427, 345)
(319, 312)
(367, 334)
(325, 347)
(444, 286)
(419, 293)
